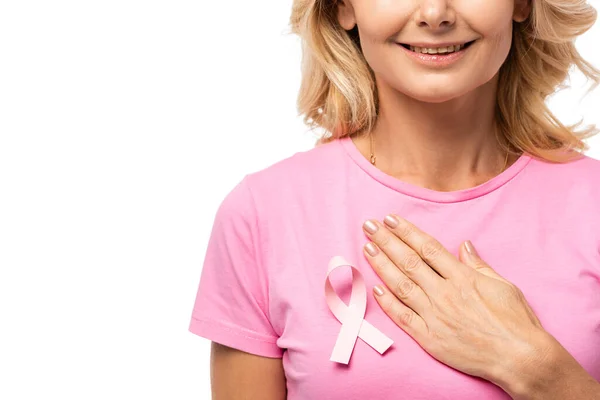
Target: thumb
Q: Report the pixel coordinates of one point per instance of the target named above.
(470, 257)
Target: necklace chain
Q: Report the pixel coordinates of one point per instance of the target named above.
(374, 159)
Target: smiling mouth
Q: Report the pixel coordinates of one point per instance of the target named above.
(438, 50)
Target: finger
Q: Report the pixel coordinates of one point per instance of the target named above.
(405, 258)
(428, 248)
(401, 286)
(476, 263)
(403, 316)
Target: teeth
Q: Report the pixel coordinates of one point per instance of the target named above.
(439, 50)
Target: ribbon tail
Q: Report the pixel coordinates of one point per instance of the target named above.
(346, 340)
(374, 337)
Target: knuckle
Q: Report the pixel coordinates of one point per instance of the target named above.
(431, 250)
(514, 290)
(403, 288)
(404, 317)
(384, 241)
(509, 293)
(411, 262)
(404, 230)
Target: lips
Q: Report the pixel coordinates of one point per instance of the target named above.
(436, 57)
(429, 46)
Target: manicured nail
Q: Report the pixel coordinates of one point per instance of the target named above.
(471, 249)
(378, 290)
(370, 227)
(371, 249)
(391, 221)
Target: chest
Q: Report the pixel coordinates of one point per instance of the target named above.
(559, 279)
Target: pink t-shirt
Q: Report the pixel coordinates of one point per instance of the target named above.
(262, 286)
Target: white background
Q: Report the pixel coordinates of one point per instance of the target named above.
(123, 124)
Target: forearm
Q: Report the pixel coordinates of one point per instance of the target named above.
(549, 373)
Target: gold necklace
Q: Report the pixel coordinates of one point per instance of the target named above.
(373, 158)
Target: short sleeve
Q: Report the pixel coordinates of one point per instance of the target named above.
(231, 306)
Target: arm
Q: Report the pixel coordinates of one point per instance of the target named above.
(237, 375)
(232, 306)
(549, 372)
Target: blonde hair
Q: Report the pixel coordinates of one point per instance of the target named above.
(338, 91)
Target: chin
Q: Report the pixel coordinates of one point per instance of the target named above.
(435, 89)
(434, 95)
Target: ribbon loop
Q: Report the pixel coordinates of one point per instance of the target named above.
(351, 316)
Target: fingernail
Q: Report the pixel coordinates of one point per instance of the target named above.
(391, 221)
(471, 249)
(371, 249)
(370, 227)
(378, 290)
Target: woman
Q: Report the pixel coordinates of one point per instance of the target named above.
(438, 134)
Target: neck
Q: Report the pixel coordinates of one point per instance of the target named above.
(441, 146)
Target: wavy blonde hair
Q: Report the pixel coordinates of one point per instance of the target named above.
(338, 91)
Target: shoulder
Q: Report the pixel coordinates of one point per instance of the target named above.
(572, 185)
(584, 169)
(298, 171)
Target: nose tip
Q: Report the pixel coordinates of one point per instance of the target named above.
(436, 14)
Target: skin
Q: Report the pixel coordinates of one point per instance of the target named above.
(435, 130)
(435, 125)
(467, 316)
(237, 375)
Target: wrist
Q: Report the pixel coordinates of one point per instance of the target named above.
(529, 366)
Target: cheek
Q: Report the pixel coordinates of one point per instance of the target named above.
(485, 13)
(496, 31)
(381, 20)
(490, 19)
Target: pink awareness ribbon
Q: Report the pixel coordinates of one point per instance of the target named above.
(352, 316)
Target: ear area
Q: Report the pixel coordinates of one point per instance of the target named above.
(345, 14)
(522, 10)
